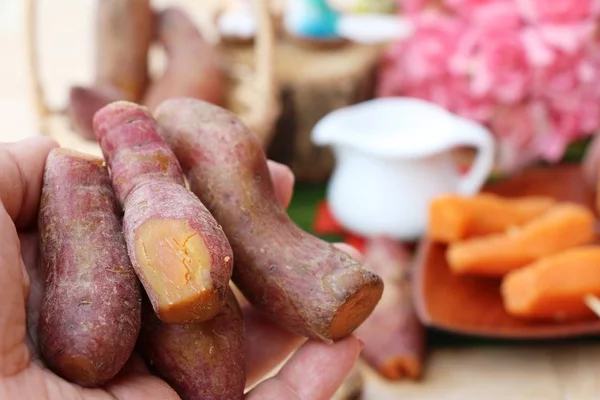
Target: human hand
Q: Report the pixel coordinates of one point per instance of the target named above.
(315, 371)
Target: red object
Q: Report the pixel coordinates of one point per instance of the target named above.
(359, 243)
(324, 223)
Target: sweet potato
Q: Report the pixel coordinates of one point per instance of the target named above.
(91, 313)
(200, 361)
(554, 287)
(393, 336)
(178, 250)
(84, 102)
(564, 226)
(124, 32)
(453, 217)
(301, 282)
(193, 65)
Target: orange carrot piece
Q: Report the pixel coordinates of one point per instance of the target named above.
(453, 217)
(564, 226)
(554, 287)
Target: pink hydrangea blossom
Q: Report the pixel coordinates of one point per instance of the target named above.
(558, 11)
(425, 56)
(498, 15)
(529, 69)
(469, 8)
(499, 67)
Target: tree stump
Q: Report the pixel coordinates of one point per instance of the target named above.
(314, 81)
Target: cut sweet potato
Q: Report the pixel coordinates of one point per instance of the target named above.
(453, 217)
(178, 250)
(554, 287)
(564, 226)
(300, 281)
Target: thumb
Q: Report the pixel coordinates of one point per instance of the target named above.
(14, 355)
(21, 171)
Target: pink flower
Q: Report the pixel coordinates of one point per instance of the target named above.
(466, 104)
(563, 75)
(538, 51)
(501, 67)
(569, 38)
(495, 59)
(568, 122)
(497, 15)
(426, 54)
(470, 8)
(529, 69)
(519, 123)
(558, 11)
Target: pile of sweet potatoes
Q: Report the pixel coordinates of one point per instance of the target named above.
(126, 31)
(132, 258)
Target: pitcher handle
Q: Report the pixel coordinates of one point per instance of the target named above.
(472, 134)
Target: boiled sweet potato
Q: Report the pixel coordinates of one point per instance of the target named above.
(202, 361)
(453, 217)
(554, 287)
(299, 281)
(91, 313)
(565, 225)
(178, 250)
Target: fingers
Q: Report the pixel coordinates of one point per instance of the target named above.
(134, 382)
(283, 181)
(268, 345)
(31, 257)
(14, 356)
(21, 171)
(315, 372)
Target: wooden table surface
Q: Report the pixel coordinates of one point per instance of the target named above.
(550, 371)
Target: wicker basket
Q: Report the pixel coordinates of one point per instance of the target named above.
(252, 91)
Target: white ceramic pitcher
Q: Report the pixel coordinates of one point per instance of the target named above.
(392, 158)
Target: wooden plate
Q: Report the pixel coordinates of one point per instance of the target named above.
(472, 305)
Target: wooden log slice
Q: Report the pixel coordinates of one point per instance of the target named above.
(314, 81)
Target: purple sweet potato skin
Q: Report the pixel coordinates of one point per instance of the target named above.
(200, 361)
(83, 104)
(393, 336)
(91, 312)
(149, 183)
(296, 279)
(136, 154)
(194, 66)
